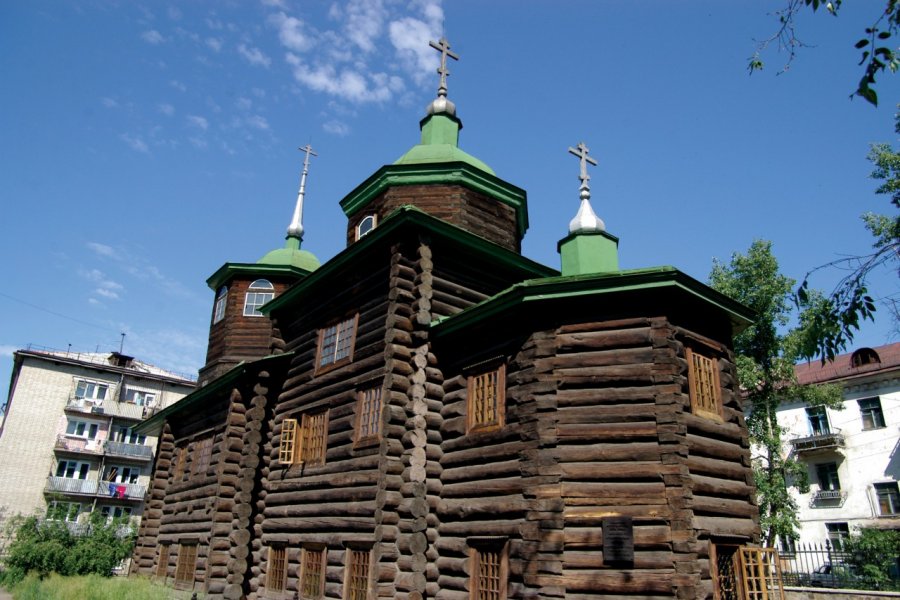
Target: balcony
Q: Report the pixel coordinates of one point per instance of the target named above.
(825, 440)
(125, 450)
(76, 445)
(91, 487)
(827, 499)
(110, 408)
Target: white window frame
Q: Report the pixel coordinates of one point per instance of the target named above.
(79, 468)
(220, 304)
(89, 429)
(124, 474)
(126, 435)
(139, 397)
(109, 511)
(372, 220)
(254, 298)
(72, 511)
(90, 388)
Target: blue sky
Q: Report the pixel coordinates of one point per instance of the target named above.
(145, 144)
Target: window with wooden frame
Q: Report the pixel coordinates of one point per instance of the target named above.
(488, 569)
(356, 577)
(187, 562)
(312, 572)
(703, 382)
(486, 400)
(368, 416)
(201, 455)
(162, 567)
(180, 459)
(276, 571)
(304, 441)
(336, 344)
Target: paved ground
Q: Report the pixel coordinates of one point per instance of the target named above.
(4, 595)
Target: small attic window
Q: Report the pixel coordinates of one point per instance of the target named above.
(365, 226)
(864, 356)
(219, 308)
(256, 298)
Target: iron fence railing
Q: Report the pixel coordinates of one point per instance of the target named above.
(123, 449)
(830, 566)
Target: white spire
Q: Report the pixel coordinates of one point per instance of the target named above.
(586, 219)
(295, 229)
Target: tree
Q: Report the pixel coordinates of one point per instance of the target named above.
(835, 318)
(877, 56)
(874, 553)
(765, 362)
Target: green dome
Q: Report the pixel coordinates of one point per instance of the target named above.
(291, 256)
(440, 139)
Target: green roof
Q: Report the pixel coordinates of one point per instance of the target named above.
(256, 270)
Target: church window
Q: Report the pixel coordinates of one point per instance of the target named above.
(368, 415)
(486, 400)
(187, 562)
(259, 292)
(312, 573)
(703, 383)
(304, 441)
(356, 583)
(336, 344)
(201, 455)
(219, 308)
(277, 569)
(366, 225)
(489, 570)
(288, 447)
(872, 414)
(180, 460)
(162, 567)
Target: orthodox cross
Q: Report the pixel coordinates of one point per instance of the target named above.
(444, 48)
(296, 227)
(581, 151)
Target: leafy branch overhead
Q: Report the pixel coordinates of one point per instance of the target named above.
(877, 55)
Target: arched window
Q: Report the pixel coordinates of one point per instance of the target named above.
(365, 226)
(864, 356)
(219, 308)
(256, 298)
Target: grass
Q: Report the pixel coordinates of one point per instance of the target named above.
(92, 587)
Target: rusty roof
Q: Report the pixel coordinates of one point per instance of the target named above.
(843, 368)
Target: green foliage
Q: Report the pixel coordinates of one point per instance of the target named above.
(44, 546)
(765, 364)
(877, 55)
(92, 587)
(874, 552)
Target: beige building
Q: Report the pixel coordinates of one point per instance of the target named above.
(66, 438)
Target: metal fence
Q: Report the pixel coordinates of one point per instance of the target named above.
(829, 566)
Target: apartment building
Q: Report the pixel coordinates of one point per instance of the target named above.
(853, 454)
(67, 440)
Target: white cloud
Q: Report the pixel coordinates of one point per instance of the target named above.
(174, 13)
(107, 293)
(244, 103)
(410, 39)
(178, 85)
(106, 288)
(198, 122)
(291, 32)
(214, 24)
(152, 36)
(198, 142)
(254, 56)
(336, 127)
(166, 109)
(94, 302)
(214, 44)
(258, 122)
(135, 143)
(102, 249)
(364, 22)
(347, 83)
(275, 3)
(109, 103)
(258, 92)
(7, 350)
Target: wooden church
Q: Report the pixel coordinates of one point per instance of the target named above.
(429, 414)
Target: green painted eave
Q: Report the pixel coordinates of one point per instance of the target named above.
(227, 271)
(440, 153)
(215, 387)
(436, 173)
(408, 216)
(534, 291)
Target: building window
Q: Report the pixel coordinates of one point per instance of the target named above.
(117, 474)
(888, 498)
(64, 511)
(368, 415)
(336, 344)
(201, 455)
(365, 226)
(486, 400)
(115, 512)
(356, 582)
(864, 356)
(276, 572)
(219, 308)
(91, 390)
(872, 415)
(139, 397)
(71, 469)
(260, 292)
(489, 571)
(827, 474)
(304, 441)
(312, 573)
(162, 567)
(82, 429)
(187, 562)
(180, 459)
(838, 533)
(126, 435)
(703, 385)
(818, 420)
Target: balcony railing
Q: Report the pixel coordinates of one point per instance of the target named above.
(111, 408)
(125, 450)
(827, 499)
(92, 487)
(826, 440)
(76, 444)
